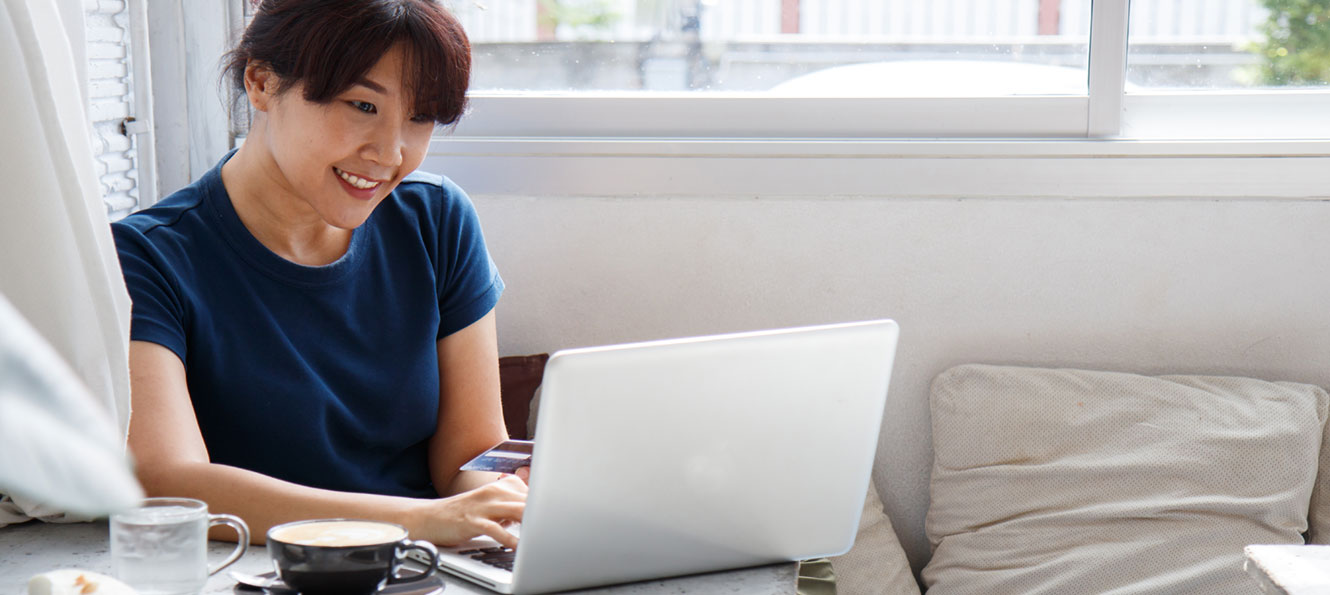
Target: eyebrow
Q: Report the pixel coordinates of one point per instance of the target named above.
(373, 86)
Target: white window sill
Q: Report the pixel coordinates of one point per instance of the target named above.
(949, 169)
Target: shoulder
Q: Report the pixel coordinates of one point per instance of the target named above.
(432, 198)
(427, 186)
(162, 223)
(426, 178)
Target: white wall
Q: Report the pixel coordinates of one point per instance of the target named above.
(1146, 284)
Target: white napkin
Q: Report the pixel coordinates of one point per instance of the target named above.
(72, 581)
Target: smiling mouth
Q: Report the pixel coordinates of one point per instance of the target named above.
(357, 181)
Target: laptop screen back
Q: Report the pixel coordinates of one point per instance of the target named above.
(692, 455)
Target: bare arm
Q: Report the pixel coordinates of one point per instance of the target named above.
(172, 460)
(470, 410)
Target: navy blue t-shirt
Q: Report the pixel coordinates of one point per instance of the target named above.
(324, 376)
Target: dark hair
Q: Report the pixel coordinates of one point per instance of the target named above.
(329, 45)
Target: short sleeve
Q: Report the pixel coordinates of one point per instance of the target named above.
(469, 285)
(158, 310)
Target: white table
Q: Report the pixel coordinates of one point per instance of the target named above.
(33, 548)
(1289, 569)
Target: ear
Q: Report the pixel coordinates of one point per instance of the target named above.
(261, 85)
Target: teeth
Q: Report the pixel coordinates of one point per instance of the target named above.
(356, 181)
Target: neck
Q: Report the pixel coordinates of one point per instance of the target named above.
(274, 213)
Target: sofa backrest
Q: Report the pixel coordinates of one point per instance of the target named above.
(1150, 286)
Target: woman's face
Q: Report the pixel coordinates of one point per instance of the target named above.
(342, 158)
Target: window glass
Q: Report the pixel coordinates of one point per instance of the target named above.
(1229, 44)
(833, 48)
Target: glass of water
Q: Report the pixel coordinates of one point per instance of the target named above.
(161, 547)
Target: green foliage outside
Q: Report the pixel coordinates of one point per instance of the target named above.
(1296, 49)
(579, 14)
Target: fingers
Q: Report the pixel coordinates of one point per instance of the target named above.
(512, 484)
(503, 500)
(481, 511)
(505, 511)
(524, 474)
(500, 503)
(498, 533)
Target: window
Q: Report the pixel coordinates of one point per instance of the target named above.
(1229, 44)
(778, 68)
(1228, 69)
(872, 68)
(650, 129)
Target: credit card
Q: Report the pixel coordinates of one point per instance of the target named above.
(504, 458)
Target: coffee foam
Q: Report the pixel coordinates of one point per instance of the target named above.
(339, 533)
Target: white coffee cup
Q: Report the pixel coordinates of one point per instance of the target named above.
(161, 547)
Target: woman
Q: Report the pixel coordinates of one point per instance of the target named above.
(313, 330)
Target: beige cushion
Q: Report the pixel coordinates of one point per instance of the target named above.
(876, 565)
(1318, 515)
(1067, 481)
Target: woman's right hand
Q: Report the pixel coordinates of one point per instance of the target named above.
(485, 510)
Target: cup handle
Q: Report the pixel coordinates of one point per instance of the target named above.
(242, 544)
(433, 564)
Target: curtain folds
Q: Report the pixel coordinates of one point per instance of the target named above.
(58, 265)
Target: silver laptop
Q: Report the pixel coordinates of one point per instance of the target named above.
(692, 455)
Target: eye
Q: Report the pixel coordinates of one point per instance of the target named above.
(364, 107)
(422, 119)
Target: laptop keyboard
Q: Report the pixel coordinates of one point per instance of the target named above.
(498, 556)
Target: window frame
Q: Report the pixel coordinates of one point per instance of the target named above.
(911, 169)
(1107, 144)
(734, 115)
(738, 116)
(1106, 111)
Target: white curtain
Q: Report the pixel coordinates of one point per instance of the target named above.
(58, 265)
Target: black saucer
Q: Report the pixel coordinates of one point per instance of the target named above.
(430, 586)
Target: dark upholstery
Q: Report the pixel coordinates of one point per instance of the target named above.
(519, 377)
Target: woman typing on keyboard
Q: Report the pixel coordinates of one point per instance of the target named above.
(313, 328)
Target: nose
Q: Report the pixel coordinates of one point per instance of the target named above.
(386, 145)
